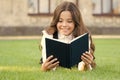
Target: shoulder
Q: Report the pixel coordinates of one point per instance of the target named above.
(45, 34)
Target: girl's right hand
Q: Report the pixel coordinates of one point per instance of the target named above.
(50, 63)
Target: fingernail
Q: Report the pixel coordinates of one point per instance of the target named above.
(81, 56)
(55, 58)
(83, 53)
(51, 56)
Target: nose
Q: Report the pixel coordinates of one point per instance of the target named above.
(64, 24)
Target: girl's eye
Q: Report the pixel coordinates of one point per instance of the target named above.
(60, 21)
(70, 21)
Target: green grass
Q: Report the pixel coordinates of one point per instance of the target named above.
(19, 60)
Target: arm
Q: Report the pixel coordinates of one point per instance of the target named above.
(88, 57)
(50, 62)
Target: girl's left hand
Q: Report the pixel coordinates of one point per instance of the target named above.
(87, 58)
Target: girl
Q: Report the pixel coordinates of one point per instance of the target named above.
(66, 25)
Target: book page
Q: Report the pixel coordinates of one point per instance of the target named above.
(78, 37)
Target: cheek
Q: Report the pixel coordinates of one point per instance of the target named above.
(58, 26)
(72, 27)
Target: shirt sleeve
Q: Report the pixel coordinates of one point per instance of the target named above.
(45, 35)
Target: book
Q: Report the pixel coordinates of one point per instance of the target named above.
(68, 54)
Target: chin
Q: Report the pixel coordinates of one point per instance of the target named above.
(66, 34)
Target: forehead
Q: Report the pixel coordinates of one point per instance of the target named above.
(66, 14)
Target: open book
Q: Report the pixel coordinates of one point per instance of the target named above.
(68, 54)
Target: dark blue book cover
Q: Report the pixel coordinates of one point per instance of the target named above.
(68, 54)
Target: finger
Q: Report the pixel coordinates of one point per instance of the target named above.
(87, 56)
(88, 59)
(84, 59)
(53, 65)
(49, 63)
(49, 58)
(53, 61)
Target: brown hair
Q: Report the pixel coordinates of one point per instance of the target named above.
(76, 16)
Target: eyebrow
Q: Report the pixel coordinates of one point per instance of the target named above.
(67, 19)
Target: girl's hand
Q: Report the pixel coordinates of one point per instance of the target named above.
(49, 63)
(87, 58)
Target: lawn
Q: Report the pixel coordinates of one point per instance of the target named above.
(19, 60)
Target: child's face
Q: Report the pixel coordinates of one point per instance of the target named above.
(65, 24)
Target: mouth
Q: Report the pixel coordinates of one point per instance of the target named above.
(64, 30)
